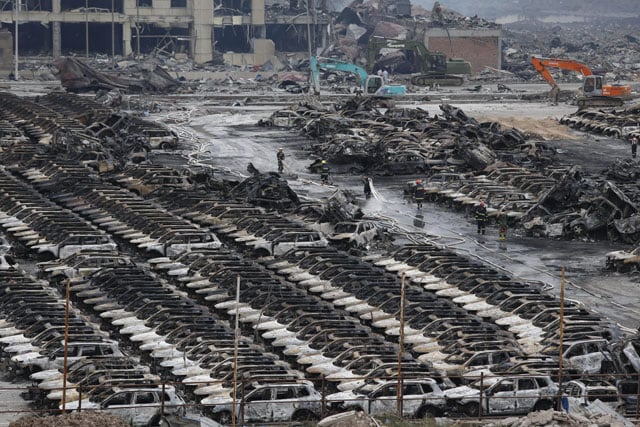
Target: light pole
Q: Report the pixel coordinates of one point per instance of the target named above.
(138, 28)
(16, 73)
(113, 36)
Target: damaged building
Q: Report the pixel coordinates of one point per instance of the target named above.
(247, 33)
(126, 27)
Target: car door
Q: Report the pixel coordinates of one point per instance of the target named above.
(528, 395)
(146, 405)
(86, 267)
(284, 404)
(120, 404)
(501, 398)
(412, 397)
(258, 405)
(383, 400)
(578, 359)
(573, 396)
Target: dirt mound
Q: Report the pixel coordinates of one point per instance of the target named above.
(547, 128)
(84, 419)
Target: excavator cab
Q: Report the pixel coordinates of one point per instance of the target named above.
(592, 86)
(373, 84)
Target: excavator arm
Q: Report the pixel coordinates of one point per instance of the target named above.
(337, 65)
(542, 66)
(369, 84)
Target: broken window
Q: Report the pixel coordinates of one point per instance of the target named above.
(505, 386)
(526, 384)
(285, 393)
(412, 389)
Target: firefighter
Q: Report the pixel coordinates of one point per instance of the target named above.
(367, 187)
(481, 218)
(419, 193)
(280, 156)
(502, 226)
(324, 172)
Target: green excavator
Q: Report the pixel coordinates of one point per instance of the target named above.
(433, 67)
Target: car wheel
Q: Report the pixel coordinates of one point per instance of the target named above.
(471, 409)
(427, 412)
(260, 253)
(165, 146)
(223, 417)
(543, 405)
(304, 415)
(579, 230)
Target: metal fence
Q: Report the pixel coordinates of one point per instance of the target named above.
(321, 404)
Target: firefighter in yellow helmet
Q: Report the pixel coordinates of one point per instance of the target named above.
(419, 193)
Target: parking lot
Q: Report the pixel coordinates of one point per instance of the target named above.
(153, 254)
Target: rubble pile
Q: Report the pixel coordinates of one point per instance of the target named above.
(608, 46)
(551, 418)
(356, 23)
(86, 418)
(265, 189)
(76, 76)
(358, 138)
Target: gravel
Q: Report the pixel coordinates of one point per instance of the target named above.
(84, 419)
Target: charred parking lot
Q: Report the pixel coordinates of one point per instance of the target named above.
(319, 309)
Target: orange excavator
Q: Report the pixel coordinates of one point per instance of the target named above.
(594, 92)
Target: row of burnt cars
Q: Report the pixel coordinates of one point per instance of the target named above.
(313, 307)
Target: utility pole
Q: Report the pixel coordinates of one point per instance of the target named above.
(86, 27)
(308, 28)
(16, 73)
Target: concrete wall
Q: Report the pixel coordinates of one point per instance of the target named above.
(6, 53)
(263, 51)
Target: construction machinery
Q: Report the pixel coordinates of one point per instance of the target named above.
(370, 85)
(433, 67)
(594, 91)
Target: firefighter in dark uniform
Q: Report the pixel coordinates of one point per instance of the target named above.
(324, 172)
(481, 217)
(367, 187)
(419, 193)
(280, 156)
